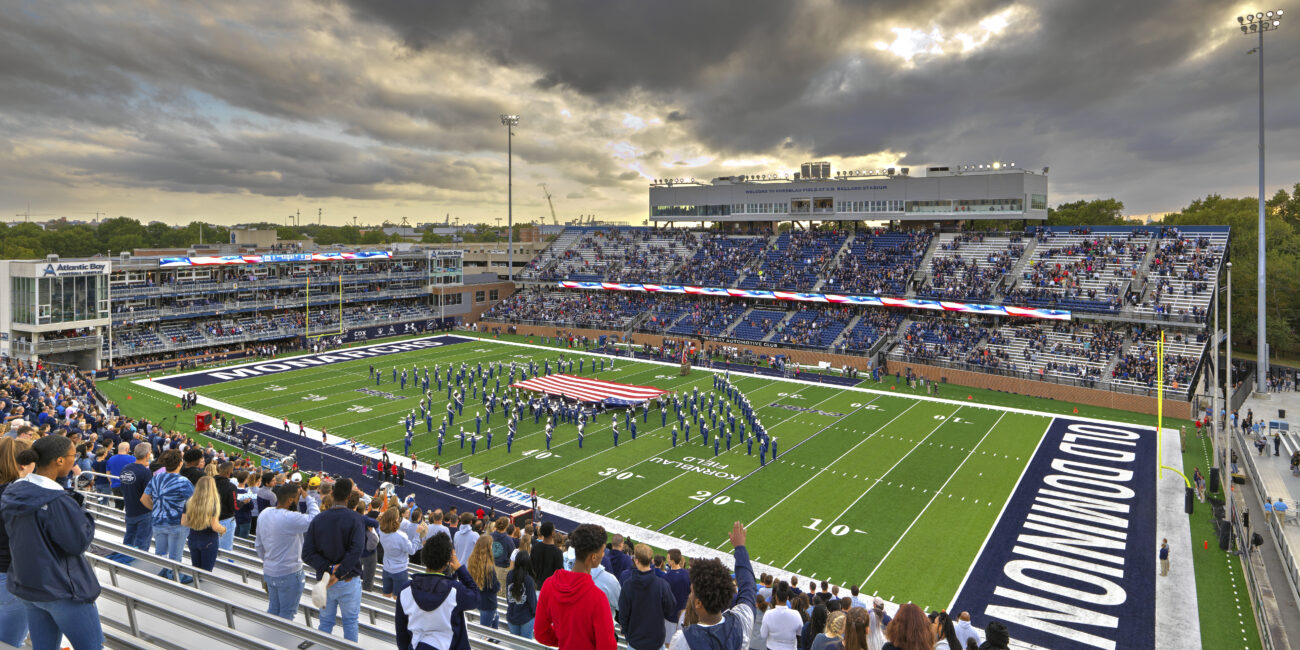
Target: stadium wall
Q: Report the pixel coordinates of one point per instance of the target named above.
(1174, 407)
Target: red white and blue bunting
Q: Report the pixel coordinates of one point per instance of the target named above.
(168, 262)
(831, 298)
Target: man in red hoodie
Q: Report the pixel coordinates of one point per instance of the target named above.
(572, 612)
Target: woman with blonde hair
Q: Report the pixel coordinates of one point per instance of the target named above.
(832, 636)
(483, 570)
(200, 516)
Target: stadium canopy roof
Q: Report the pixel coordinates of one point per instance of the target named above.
(588, 390)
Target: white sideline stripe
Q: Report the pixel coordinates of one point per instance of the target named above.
(931, 501)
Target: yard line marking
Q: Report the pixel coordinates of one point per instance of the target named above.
(873, 485)
(736, 450)
(900, 537)
(810, 478)
(751, 473)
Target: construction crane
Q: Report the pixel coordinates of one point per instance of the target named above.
(554, 219)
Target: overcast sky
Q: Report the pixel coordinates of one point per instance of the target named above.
(245, 110)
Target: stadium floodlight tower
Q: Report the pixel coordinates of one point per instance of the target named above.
(510, 122)
(1257, 24)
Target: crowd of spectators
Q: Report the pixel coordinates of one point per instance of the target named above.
(1140, 362)
(878, 262)
(794, 262)
(719, 260)
(597, 309)
(814, 326)
(940, 338)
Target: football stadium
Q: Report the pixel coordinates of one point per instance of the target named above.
(907, 407)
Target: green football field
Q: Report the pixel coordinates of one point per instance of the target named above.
(888, 491)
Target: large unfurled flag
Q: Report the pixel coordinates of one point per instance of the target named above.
(590, 390)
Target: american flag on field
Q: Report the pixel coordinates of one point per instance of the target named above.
(590, 390)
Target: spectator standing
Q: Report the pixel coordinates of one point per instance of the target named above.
(833, 636)
(166, 496)
(114, 465)
(226, 499)
(54, 581)
(13, 614)
(713, 591)
(135, 478)
(436, 526)
(431, 607)
(466, 537)
(483, 570)
(279, 545)
(193, 469)
(572, 612)
(521, 596)
(965, 631)
(503, 547)
(201, 517)
(616, 559)
(996, 637)
(398, 547)
(781, 625)
(1164, 557)
(546, 556)
(333, 545)
(644, 603)
(909, 630)
(245, 503)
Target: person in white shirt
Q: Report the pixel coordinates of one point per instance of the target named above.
(466, 537)
(436, 526)
(781, 625)
(400, 543)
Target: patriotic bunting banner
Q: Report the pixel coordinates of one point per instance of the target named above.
(866, 301)
(168, 262)
(590, 390)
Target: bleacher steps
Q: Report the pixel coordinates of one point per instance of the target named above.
(784, 320)
(839, 340)
(1018, 270)
(741, 319)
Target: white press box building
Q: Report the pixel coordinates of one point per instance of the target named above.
(54, 309)
(978, 191)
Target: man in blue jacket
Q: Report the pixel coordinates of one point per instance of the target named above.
(333, 545)
(644, 603)
(720, 628)
(616, 560)
(52, 578)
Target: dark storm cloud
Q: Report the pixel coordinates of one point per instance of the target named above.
(1151, 102)
(1085, 87)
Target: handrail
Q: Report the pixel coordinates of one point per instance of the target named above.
(258, 616)
(232, 637)
(1275, 529)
